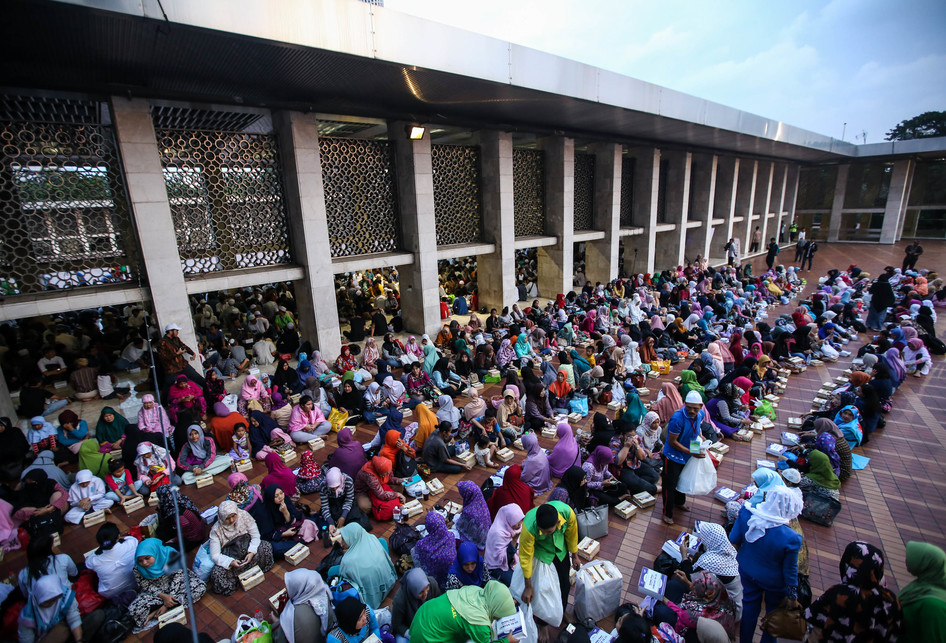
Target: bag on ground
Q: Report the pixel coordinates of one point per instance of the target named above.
(593, 522)
(598, 599)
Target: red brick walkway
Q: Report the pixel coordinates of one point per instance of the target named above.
(901, 496)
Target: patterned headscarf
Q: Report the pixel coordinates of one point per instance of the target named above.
(435, 552)
(474, 521)
(720, 556)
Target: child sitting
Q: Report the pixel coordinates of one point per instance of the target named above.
(86, 494)
(484, 451)
(240, 453)
(121, 485)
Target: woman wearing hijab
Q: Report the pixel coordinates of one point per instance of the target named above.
(366, 564)
(860, 607)
(13, 444)
(235, 546)
(265, 436)
(600, 482)
(688, 382)
(513, 491)
(718, 558)
(193, 527)
(467, 569)
(924, 600)
(86, 494)
(461, 615)
(602, 432)
(308, 474)
(280, 522)
(634, 411)
(349, 456)
(669, 402)
(447, 411)
(473, 522)
(565, 453)
(51, 613)
(110, 430)
(572, 489)
(820, 479)
(848, 421)
(373, 488)
(307, 422)
(824, 426)
(152, 418)
(535, 469)
(185, 395)
(634, 464)
(337, 496)
(435, 552)
(158, 587)
(560, 390)
(768, 556)
(707, 598)
(279, 474)
(199, 455)
(345, 361)
(308, 614)
(253, 394)
(244, 494)
(416, 588)
(355, 622)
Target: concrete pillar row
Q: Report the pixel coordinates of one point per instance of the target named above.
(148, 197)
(420, 299)
(556, 263)
(703, 174)
(671, 245)
(601, 256)
(301, 158)
(496, 273)
(639, 253)
(898, 196)
(840, 191)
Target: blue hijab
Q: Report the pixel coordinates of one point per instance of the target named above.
(467, 553)
(392, 423)
(152, 547)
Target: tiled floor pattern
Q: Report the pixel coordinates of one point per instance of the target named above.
(901, 496)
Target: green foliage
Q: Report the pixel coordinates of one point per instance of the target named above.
(926, 125)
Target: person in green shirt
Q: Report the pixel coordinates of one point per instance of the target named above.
(550, 536)
(464, 614)
(924, 600)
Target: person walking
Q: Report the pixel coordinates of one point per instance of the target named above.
(810, 249)
(913, 252)
(773, 251)
(800, 251)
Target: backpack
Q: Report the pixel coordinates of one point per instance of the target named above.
(403, 539)
(404, 466)
(487, 488)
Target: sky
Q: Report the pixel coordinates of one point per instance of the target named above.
(814, 65)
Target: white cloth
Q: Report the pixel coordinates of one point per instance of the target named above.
(114, 567)
(95, 492)
(780, 506)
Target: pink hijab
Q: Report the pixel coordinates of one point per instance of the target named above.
(502, 532)
(565, 453)
(252, 389)
(279, 474)
(155, 419)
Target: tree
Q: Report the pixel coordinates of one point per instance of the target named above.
(926, 125)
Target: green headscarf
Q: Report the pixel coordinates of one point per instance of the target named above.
(688, 383)
(820, 471)
(430, 358)
(635, 410)
(482, 605)
(367, 565)
(94, 460)
(928, 563)
(110, 431)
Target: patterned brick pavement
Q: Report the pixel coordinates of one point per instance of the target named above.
(900, 496)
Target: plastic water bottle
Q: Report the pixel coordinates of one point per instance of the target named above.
(397, 514)
(258, 615)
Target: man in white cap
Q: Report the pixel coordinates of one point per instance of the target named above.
(682, 429)
(171, 357)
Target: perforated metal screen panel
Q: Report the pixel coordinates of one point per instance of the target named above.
(584, 191)
(64, 215)
(627, 191)
(528, 191)
(361, 199)
(457, 193)
(226, 197)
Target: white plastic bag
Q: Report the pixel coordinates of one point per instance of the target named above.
(698, 477)
(531, 635)
(203, 563)
(546, 593)
(230, 401)
(597, 600)
(618, 394)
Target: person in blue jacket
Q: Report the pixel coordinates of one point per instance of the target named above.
(684, 426)
(768, 556)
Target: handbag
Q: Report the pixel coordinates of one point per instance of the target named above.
(593, 522)
(785, 623)
(819, 508)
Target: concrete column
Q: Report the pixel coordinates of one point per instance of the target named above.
(496, 273)
(639, 249)
(601, 257)
(727, 184)
(7, 408)
(840, 189)
(557, 263)
(703, 170)
(791, 195)
(151, 210)
(745, 203)
(898, 196)
(420, 300)
(670, 245)
(764, 222)
(308, 228)
(780, 217)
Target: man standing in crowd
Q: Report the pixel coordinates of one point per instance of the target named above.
(913, 252)
(171, 352)
(773, 251)
(811, 248)
(683, 427)
(756, 239)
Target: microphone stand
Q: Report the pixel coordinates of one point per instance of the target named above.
(175, 490)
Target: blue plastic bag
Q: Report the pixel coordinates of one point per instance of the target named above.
(579, 404)
(203, 563)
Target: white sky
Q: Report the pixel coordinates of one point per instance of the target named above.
(815, 65)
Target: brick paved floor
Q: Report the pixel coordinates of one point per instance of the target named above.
(900, 496)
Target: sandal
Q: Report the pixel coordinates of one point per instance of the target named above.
(667, 521)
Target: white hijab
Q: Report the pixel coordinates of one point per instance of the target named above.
(781, 505)
(94, 491)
